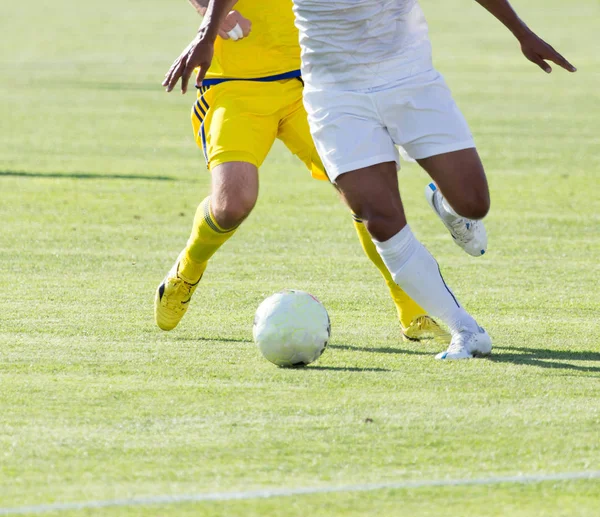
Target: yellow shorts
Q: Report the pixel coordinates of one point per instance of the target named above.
(239, 121)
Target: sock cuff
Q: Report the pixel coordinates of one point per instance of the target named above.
(209, 218)
(401, 240)
(398, 249)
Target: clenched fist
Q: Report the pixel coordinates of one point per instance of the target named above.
(235, 26)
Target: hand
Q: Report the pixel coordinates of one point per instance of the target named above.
(538, 51)
(231, 20)
(199, 53)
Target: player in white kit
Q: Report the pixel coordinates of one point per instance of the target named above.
(370, 86)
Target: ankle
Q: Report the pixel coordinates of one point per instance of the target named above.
(189, 270)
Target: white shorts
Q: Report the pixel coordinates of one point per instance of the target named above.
(356, 129)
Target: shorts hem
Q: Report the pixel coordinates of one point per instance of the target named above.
(435, 150)
(232, 156)
(318, 172)
(334, 172)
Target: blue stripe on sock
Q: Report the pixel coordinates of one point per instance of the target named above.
(447, 288)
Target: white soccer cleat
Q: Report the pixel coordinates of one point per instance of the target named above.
(469, 234)
(466, 345)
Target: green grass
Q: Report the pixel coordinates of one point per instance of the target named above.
(99, 180)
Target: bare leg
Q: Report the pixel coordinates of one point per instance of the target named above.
(461, 178)
(233, 196)
(372, 193)
(234, 192)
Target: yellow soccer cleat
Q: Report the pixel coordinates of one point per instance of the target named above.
(425, 328)
(172, 299)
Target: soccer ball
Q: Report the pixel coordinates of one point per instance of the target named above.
(291, 328)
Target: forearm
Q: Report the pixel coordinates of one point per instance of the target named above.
(213, 17)
(502, 10)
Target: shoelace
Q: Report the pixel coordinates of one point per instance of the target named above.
(179, 292)
(423, 323)
(427, 323)
(459, 340)
(455, 346)
(462, 229)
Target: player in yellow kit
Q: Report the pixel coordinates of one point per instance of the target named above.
(251, 95)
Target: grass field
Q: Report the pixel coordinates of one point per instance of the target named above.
(99, 180)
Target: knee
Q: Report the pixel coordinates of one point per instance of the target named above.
(478, 207)
(474, 204)
(230, 211)
(382, 227)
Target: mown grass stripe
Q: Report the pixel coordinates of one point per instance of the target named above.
(284, 492)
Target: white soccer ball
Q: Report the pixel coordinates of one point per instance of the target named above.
(291, 328)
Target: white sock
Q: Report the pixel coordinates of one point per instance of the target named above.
(414, 269)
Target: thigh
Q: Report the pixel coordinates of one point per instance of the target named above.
(347, 131)
(461, 178)
(372, 194)
(231, 123)
(234, 192)
(234, 183)
(423, 118)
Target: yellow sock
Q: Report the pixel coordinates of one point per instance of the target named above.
(408, 309)
(206, 238)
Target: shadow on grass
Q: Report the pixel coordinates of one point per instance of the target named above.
(382, 350)
(86, 176)
(546, 358)
(212, 339)
(147, 86)
(136, 87)
(306, 368)
(345, 368)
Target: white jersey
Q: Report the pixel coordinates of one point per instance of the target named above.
(359, 44)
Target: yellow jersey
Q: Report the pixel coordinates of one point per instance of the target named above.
(271, 48)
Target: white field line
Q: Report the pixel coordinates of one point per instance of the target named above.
(287, 492)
